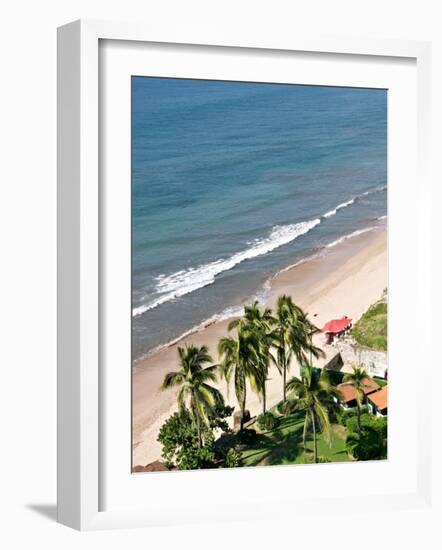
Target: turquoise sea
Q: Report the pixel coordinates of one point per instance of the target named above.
(232, 182)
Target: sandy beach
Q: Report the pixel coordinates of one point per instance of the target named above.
(345, 280)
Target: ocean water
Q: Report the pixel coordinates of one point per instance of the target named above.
(232, 182)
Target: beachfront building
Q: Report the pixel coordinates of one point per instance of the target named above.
(348, 393)
(336, 328)
(378, 402)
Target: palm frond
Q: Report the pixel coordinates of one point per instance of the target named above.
(324, 421)
(172, 379)
(182, 397)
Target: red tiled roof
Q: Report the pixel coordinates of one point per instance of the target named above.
(380, 398)
(349, 393)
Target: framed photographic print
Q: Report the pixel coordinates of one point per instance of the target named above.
(232, 274)
(249, 342)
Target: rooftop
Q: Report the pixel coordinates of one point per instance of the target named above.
(380, 398)
(349, 393)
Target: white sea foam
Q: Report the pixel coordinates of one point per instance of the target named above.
(339, 207)
(353, 200)
(374, 190)
(186, 281)
(349, 236)
(320, 251)
(234, 311)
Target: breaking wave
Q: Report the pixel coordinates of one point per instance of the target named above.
(349, 236)
(353, 200)
(185, 281)
(339, 207)
(234, 311)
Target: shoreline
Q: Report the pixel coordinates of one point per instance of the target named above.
(345, 280)
(223, 316)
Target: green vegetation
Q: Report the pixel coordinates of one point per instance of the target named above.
(268, 421)
(241, 360)
(193, 378)
(346, 414)
(292, 336)
(371, 329)
(283, 445)
(307, 425)
(256, 326)
(314, 395)
(335, 376)
(371, 442)
(232, 458)
(358, 380)
(182, 448)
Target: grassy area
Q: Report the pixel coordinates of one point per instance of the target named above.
(284, 445)
(371, 329)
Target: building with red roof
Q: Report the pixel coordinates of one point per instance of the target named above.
(348, 392)
(378, 401)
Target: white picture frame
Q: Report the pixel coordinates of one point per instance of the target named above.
(79, 324)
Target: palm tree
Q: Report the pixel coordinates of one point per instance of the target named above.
(314, 394)
(193, 380)
(240, 358)
(259, 323)
(358, 379)
(293, 336)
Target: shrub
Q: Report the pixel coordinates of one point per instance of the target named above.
(377, 423)
(350, 414)
(370, 421)
(369, 446)
(232, 458)
(372, 443)
(268, 421)
(218, 415)
(180, 443)
(192, 458)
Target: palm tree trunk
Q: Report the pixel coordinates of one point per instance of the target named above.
(284, 379)
(197, 421)
(264, 397)
(198, 427)
(315, 443)
(304, 435)
(359, 420)
(243, 408)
